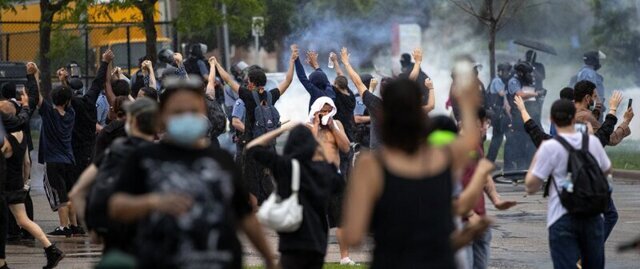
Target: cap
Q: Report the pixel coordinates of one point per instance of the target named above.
(142, 104)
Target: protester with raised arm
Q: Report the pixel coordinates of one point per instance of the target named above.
(317, 84)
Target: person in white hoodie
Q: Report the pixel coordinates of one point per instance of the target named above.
(333, 139)
(329, 132)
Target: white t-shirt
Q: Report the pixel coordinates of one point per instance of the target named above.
(552, 159)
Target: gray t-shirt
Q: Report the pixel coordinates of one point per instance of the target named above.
(552, 159)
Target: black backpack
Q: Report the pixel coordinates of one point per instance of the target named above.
(267, 117)
(96, 215)
(217, 118)
(590, 194)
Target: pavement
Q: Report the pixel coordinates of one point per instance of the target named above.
(519, 234)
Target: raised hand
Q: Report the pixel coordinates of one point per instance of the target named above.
(344, 55)
(178, 58)
(417, 55)
(295, 53)
(628, 115)
(333, 57)
(428, 83)
(615, 100)
(519, 103)
(312, 58)
(62, 74)
(108, 56)
(32, 68)
(373, 84)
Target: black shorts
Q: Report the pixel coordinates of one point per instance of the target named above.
(58, 181)
(15, 197)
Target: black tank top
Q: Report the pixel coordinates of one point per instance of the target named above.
(412, 222)
(14, 177)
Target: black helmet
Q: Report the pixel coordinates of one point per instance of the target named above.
(592, 58)
(504, 67)
(165, 56)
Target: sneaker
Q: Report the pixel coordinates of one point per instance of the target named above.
(61, 232)
(348, 261)
(77, 230)
(54, 256)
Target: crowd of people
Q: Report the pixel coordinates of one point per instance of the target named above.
(137, 162)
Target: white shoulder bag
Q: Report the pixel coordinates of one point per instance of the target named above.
(283, 215)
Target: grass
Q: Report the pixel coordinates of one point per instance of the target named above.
(625, 155)
(326, 266)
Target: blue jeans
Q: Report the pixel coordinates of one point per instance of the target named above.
(610, 219)
(478, 251)
(571, 238)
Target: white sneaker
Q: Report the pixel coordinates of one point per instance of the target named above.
(347, 261)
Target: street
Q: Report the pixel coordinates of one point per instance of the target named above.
(519, 235)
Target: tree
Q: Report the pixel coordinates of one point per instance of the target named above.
(198, 19)
(615, 32)
(148, 10)
(493, 15)
(48, 10)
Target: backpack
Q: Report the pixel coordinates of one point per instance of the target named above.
(217, 118)
(267, 117)
(590, 195)
(96, 215)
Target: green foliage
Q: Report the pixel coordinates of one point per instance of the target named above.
(64, 49)
(198, 19)
(615, 32)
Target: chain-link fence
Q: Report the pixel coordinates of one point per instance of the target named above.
(82, 44)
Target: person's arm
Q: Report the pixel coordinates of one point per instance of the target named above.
(78, 194)
(623, 129)
(357, 81)
(211, 81)
(341, 137)
(541, 168)
(32, 86)
(233, 84)
(284, 85)
(108, 90)
(363, 189)
(535, 132)
(181, 71)
(253, 229)
(526, 95)
(265, 139)
(473, 191)
(431, 102)
(149, 74)
(302, 76)
(101, 77)
(494, 196)
(333, 57)
(362, 119)
(237, 124)
(417, 56)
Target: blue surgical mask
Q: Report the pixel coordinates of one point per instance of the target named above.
(185, 129)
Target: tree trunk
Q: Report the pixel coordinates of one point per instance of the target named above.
(46, 19)
(493, 28)
(147, 9)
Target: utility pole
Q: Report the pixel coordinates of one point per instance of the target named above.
(225, 33)
(257, 30)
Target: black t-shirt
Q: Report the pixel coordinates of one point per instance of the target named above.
(345, 105)
(110, 132)
(250, 106)
(204, 237)
(318, 181)
(84, 128)
(374, 105)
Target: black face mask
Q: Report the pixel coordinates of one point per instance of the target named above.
(597, 66)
